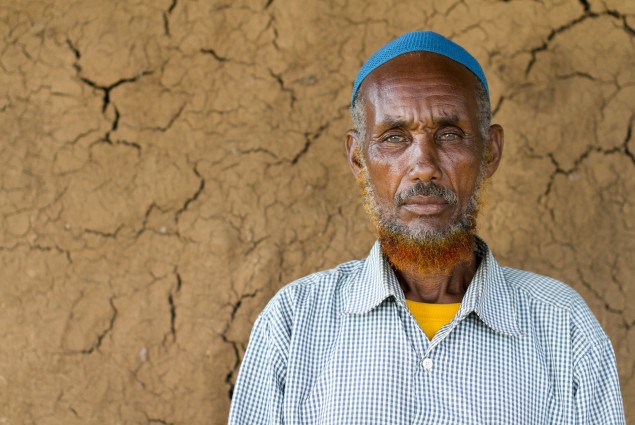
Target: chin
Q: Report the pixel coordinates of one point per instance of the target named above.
(427, 230)
(429, 251)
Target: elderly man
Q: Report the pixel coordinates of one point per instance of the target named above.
(428, 329)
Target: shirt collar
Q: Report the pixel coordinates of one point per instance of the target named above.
(489, 294)
(374, 282)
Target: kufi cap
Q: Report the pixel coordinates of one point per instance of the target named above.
(419, 41)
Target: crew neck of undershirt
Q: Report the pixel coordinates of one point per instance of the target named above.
(432, 317)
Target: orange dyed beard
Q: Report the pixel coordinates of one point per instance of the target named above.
(432, 257)
(436, 254)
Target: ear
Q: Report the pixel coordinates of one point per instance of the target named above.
(353, 151)
(496, 142)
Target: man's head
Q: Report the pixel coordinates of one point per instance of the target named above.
(421, 149)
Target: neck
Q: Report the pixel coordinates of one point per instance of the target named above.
(434, 271)
(443, 288)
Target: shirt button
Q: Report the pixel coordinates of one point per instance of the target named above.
(427, 364)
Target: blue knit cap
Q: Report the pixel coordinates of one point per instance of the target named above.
(419, 41)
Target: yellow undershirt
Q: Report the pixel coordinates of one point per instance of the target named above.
(432, 317)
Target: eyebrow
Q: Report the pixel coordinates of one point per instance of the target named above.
(401, 122)
(394, 122)
(451, 119)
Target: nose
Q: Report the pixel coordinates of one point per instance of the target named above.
(424, 160)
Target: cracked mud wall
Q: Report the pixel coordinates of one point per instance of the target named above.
(168, 165)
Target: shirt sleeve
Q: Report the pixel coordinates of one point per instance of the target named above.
(259, 390)
(598, 399)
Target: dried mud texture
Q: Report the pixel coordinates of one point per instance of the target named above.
(166, 166)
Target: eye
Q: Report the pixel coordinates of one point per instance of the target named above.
(449, 135)
(395, 138)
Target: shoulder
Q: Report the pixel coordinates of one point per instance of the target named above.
(542, 289)
(327, 287)
(547, 297)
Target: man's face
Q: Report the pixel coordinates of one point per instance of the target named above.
(423, 156)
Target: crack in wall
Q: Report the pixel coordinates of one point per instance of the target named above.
(74, 412)
(309, 139)
(166, 18)
(230, 378)
(172, 317)
(621, 149)
(498, 105)
(113, 127)
(192, 198)
(171, 122)
(627, 28)
(106, 90)
(284, 88)
(588, 14)
(253, 244)
(41, 248)
(627, 140)
(76, 52)
(111, 235)
(215, 55)
(106, 101)
(146, 217)
(236, 306)
(100, 337)
(257, 150)
(172, 332)
(133, 145)
(159, 421)
(577, 74)
(81, 136)
(598, 295)
(585, 5)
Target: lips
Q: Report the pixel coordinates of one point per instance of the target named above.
(425, 205)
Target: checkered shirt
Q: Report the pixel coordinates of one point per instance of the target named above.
(340, 347)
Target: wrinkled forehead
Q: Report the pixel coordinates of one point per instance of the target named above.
(421, 79)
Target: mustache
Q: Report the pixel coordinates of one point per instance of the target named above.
(427, 189)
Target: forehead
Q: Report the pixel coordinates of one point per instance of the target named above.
(421, 83)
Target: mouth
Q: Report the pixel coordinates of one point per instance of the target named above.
(425, 205)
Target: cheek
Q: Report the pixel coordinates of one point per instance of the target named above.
(385, 179)
(387, 168)
(462, 170)
(466, 176)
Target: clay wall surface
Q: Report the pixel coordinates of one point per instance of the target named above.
(167, 166)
